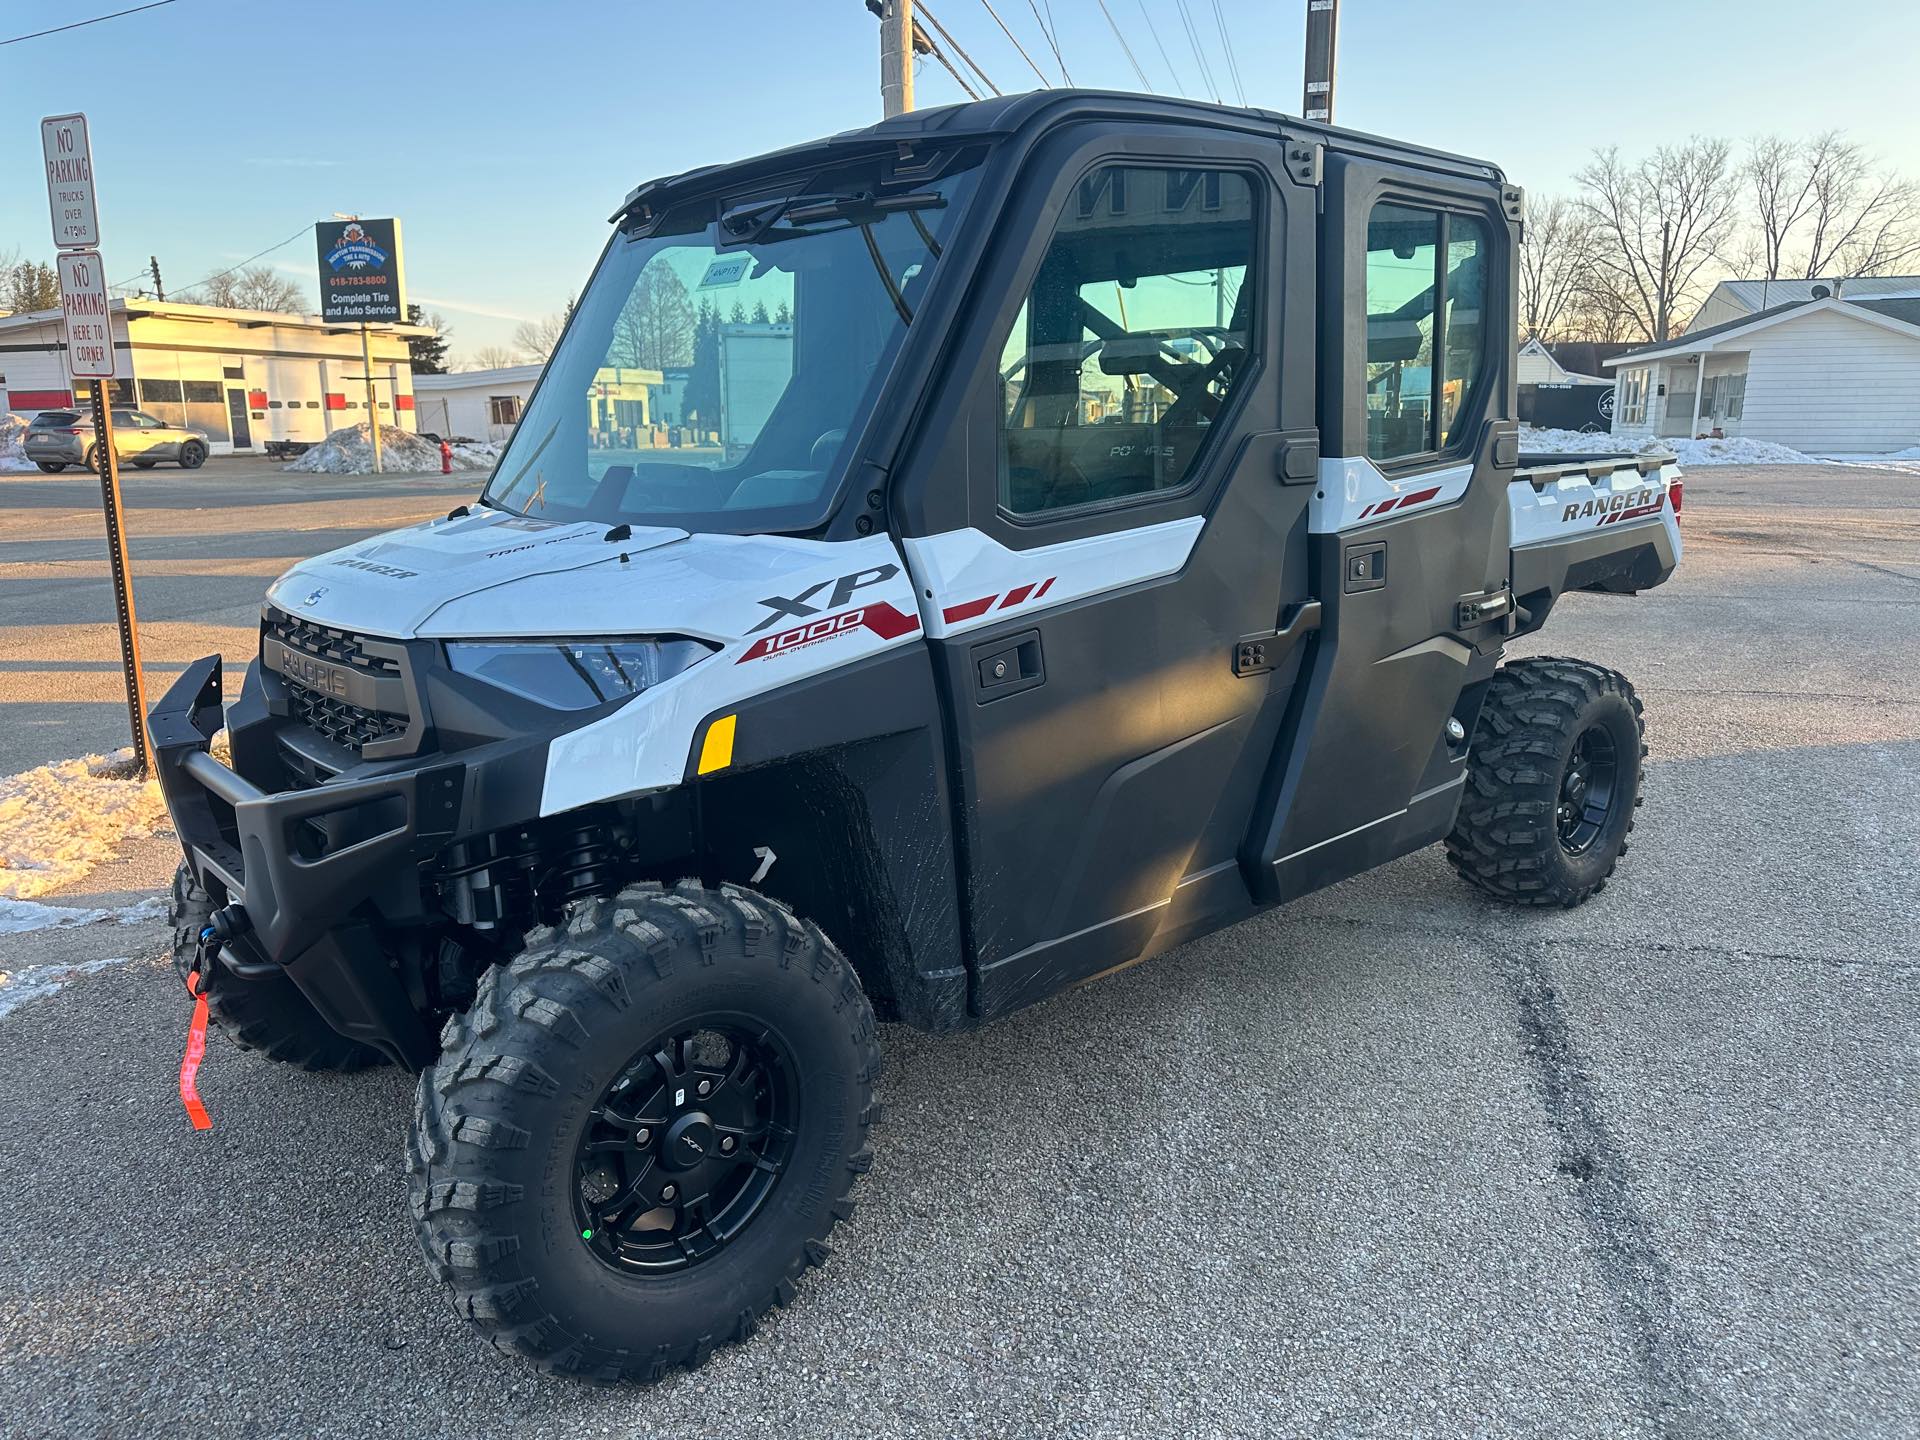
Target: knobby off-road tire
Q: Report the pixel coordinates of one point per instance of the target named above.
(268, 1013)
(1531, 829)
(504, 1123)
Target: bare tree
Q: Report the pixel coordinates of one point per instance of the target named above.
(655, 327)
(535, 339)
(487, 357)
(1662, 223)
(1822, 208)
(1555, 262)
(259, 287)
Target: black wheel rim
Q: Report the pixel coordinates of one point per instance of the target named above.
(686, 1145)
(1587, 790)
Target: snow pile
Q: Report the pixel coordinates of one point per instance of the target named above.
(1735, 450)
(1571, 442)
(350, 452)
(19, 916)
(36, 982)
(13, 438)
(58, 822)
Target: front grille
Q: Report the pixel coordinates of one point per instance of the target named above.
(354, 696)
(344, 724)
(323, 643)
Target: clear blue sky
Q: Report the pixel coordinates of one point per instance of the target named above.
(503, 134)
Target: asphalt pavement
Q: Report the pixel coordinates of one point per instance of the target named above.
(1391, 1162)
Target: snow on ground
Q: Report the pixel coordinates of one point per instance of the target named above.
(350, 452)
(19, 916)
(1734, 450)
(1906, 461)
(59, 821)
(13, 434)
(36, 982)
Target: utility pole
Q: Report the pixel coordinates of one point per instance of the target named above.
(1323, 28)
(896, 57)
(159, 290)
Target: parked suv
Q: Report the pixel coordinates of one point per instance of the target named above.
(59, 438)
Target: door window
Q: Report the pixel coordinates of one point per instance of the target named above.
(1131, 342)
(1426, 326)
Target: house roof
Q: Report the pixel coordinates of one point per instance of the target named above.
(474, 379)
(1696, 342)
(1905, 307)
(1756, 295)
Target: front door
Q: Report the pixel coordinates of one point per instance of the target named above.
(1105, 619)
(237, 415)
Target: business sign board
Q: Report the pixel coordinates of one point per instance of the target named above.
(83, 301)
(360, 275)
(69, 157)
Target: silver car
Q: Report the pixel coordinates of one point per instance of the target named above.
(59, 438)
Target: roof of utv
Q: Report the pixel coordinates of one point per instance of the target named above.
(1003, 115)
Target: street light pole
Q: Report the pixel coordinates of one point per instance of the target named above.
(1323, 28)
(896, 57)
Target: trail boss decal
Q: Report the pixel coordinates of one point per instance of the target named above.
(1627, 505)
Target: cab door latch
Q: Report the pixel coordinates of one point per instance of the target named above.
(1470, 611)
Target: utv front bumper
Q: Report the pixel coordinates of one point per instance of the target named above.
(301, 864)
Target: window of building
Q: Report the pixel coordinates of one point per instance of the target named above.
(1631, 403)
(1131, 342)
(1426, 326)
(503, 409)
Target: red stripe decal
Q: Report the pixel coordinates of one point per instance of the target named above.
(1044, 584)
(956, 613)
(879, 617)
(1418, 497)
(1016, 595)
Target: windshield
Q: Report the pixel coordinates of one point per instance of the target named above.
(712, 375)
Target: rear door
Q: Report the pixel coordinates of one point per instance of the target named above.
(1104, 611)
(1410, 524)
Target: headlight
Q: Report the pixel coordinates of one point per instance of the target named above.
(576, 674)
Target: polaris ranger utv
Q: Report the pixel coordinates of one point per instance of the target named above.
(940, 565)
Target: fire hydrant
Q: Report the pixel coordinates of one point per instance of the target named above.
(446, 458)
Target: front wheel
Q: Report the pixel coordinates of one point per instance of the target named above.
(639, 1137)
(52, 467)
(1552, 783)
(192, 455)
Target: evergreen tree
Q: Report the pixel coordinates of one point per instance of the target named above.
(760, 316)
(428, 353)
(702, 398)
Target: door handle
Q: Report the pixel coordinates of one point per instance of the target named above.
(1007, 666)
(1257, 654)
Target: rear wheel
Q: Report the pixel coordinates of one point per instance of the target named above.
(1552, 783)
(52, 467)
(192, 455)
(267, 1013)
(143, 464)
(639, 1137)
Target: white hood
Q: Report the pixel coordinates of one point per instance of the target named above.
(496, 576)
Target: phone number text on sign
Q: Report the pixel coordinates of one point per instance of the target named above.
(83, 299)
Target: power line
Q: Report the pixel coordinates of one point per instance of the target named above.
(1179, 85)
(1053, 38)
(1112, 25)
(947, 36)
(218, 274)
(1226, 47)
(941, 55)
(1199, 55)
(77, 24)
(1016, 44)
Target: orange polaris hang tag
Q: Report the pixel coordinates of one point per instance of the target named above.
(196, 1052)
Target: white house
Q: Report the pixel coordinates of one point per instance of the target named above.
(1737, 299)
(479, 404)
(1825, 375)
(1537, 366)
(240, 377)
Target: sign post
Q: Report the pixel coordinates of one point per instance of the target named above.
(361, 281)
(91, 357)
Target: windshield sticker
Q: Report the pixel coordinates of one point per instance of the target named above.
(728, 270)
